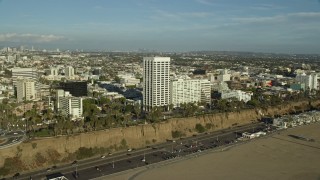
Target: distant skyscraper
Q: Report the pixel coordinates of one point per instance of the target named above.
(156, 77)
(69, 71)
(25, 90)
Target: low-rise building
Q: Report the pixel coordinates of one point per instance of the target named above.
(239, 95)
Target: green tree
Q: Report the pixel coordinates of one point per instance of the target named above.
(117, 79)
(154, 115)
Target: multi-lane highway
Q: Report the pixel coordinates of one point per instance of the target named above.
(110, 164)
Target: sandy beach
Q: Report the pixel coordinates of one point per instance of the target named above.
(275, 157)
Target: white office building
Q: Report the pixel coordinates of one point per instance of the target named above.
(185, 91)
(224, 76)
(69, 105)
(69, 71)
(25, 90)
(310, 81)
(53, 71)
(25, 73)
(156, 77)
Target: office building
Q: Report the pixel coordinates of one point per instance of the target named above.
(25, 73)
(185, 91)
(76, 88)
(156, 77)
(25, 90)
(69, 105)
(224, 76)
(310, 81)
(205, 91)
(97, 71)
(53, 71)
(69, 71)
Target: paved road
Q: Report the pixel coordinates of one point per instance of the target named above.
(12, 138)
(97, 167)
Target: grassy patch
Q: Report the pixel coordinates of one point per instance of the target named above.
(42, 133)
(11, 166)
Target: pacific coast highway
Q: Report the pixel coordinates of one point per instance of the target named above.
(110, 164)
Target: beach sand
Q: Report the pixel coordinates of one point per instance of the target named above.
(275, 157)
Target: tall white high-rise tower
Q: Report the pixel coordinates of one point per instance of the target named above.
(69, 71)
(25, 90)
(156, 77)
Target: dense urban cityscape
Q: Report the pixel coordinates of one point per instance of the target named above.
(150, 89)
(53, 93)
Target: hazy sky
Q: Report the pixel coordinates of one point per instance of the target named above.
(288, 26)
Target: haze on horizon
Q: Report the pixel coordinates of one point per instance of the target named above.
(286, 26)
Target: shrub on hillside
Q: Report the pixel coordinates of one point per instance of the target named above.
(200, 128)
(84, 152)
(176, 134)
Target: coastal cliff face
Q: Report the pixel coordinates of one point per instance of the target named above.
(54, 150)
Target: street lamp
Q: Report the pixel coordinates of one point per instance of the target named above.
(172, 148)
(76, 172)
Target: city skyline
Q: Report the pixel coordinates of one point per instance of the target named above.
(289, 26)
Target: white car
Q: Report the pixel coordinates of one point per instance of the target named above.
(129, 150)
(102, 157)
